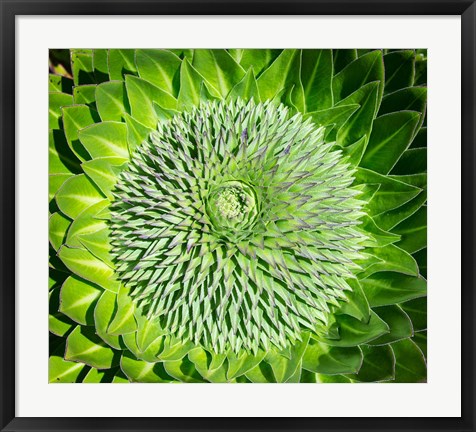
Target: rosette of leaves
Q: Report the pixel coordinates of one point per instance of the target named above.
(237, 216)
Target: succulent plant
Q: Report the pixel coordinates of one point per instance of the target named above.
(237, 215)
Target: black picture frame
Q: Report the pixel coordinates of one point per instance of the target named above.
(12, 8)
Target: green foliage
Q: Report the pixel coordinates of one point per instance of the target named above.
(237, 215)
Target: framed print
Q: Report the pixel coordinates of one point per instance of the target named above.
(255, 211)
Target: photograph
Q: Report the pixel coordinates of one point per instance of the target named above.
(237, 215)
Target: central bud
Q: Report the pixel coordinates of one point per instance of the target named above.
(232, 208)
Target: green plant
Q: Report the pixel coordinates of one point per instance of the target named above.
(238, 216)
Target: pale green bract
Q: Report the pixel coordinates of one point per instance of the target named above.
(238, 216)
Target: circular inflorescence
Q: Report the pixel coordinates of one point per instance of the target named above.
(236, 226)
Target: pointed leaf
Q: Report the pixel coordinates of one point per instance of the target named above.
(356, 74)
(58, 323)
(417, 311)
(85, 95)
(76, 194)
(378, 365)
(219, 69)
(392, 258)
(105, 139)
(103, 315)
(56, 102)
(316, 75)
(104, 172)
(183, 370)
(160, 67)
(354, 332)
(142, 95)
(58, 226)
(78, 299)
(86, 265)
(82, 66)
(325, 359)
(410, 365)
(239, 364)
(356, 305)
(258, 59)
(59, 83)
(83, 345)
(413, 231)
(62, 371)
(120, 63)
(391, 136)
(398, 321)
(111, 101)
(399, 70)
(144, 372)
(124, 321)
(100, 66)
(246, 89)
(390, 288)
(75, 118)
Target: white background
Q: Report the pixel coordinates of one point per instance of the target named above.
(439, 397)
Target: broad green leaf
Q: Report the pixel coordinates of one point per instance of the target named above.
(62, 371)
(378, 364)
(58, 323)
(208, 365)
(387, 220)
(391, 136)
(85, 223)
(82, 66)
(283, 73)
(387, 288)
(105, 139)
(333, 118)
(356, 305)
(416, 309)
(136, 132)
(399, 70)
(111, 101)
(420, 139)
(258, 59)
(283, 367)
(98, 244)
(83, 345)
(60, 83)
(421, 259)
(398, 321)
(236, 53)
(316, 76)
(406, 99)
(246, 89)
(142, 95)
(376, 236)
(77, 194)
(61, 159)
(354, 332)
(100, 66)
(100, 376)
(85, 95)
(183, 53)
(392, 258)
(413, 161)
(58, 226)
(332, 379)
(190, 87)
(121, 63)
(160, 67)
(75, 118)
(183, 370)
(420, 67)
(418, 180)
(360, 123)
(410, 365)
(123, 321)
(342, 57)
(420, 339)
(144, 372)
(356, 74)
(219, 69)
(390, 194)
(325, 359)
(86, 265)
(262, 373)
(103, 315)
(78, 299)
(57, 100)
(174, 349)
(413, 231)
(239, 364)
(104, 172)
(148, 331)
(355, 151)
(165, 114)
